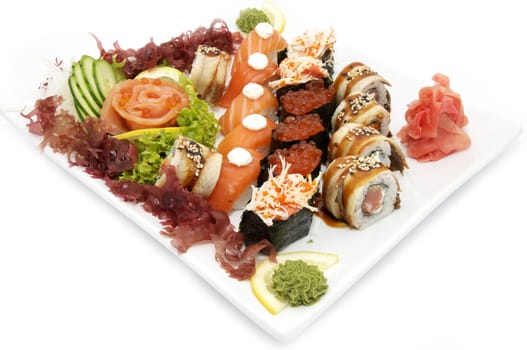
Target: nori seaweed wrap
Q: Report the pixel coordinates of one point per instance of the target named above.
(280, 209)
(313, 97)
(294, 129)
(305, 159)
(281, 233)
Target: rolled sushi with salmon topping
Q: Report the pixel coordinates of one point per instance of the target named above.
(280, 210)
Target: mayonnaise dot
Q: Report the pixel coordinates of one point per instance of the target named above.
(253, 91)
(258, 61)
(264, 30)
(254, 122)
(239, 156)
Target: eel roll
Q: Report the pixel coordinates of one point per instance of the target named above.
(363, 109)
(360, 190)
(359, 140)
(280, 210)
(357, 77)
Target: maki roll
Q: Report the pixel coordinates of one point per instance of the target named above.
(197, 167)
(209, 72)
(305, 158)
(310, 56)
(357, 77)
(359, 140)
(294, 129)
(280, 209)
(315, 43)
(310, 98)
(359, 190)
(363, 109)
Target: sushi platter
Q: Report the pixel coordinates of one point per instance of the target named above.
(410, 189)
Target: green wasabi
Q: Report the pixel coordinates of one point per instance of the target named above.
(299, 283)
(249, 18)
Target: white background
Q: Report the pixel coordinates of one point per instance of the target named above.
(75, 274)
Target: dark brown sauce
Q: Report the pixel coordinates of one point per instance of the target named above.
(326, 216)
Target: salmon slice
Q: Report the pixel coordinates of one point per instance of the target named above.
(245, 136)
(246, 74)
(143, 103)
(235, 183)
(244, 104)
(253, 42)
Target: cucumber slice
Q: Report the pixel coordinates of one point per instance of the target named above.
(105, 76)
(84, 108)
(84, 88)
(87, 64)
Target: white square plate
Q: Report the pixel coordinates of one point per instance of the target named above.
(424, 185)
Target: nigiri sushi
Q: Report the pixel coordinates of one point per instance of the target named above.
(254, 99)
(255, 132)
(264, 39)
(258, 68)
(239, 170)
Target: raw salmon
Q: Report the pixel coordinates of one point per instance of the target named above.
(244, 135)
(254, 42)
(254, 98)
(246, 74)
(234, 185)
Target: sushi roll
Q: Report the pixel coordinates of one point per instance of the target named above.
(297, 71)
(357, 77)
(360, 190)
(209, 72)
(312, 97)
(304, 157)
(363, 109)
(315, 43)
(197, 167)
(280, 210)
(294, 129)
(359, 140)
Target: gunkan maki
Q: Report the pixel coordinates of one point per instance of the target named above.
(280, 209)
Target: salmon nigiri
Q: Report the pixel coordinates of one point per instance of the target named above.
(255, 132)
(258, 68)
(254, 98)
(264, 39)
(239, 170)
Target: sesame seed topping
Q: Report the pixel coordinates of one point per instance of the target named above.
(209, 50)
(194, 152)
(359, 71)
(364, 131)
(358, 103)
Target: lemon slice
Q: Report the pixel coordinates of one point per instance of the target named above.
(149, 131)
(261, 281)
(275, 14)
(164, 72)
